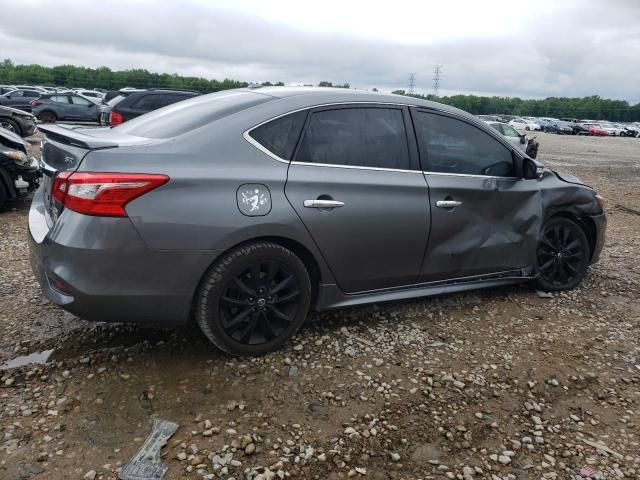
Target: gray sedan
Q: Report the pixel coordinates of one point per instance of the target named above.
(245, 208)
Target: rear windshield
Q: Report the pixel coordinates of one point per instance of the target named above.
(187, 115)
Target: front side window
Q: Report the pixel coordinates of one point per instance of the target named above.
(453, 146)
(363, 137)
(280, 136)
(17, 93)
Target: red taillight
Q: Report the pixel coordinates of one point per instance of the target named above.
(115, 119)
(103, 194)
(35, 103)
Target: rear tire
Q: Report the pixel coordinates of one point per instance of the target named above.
(562, 256)
(47, 117)
(10, 125)
(253, 299)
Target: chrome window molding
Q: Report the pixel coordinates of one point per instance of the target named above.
(356, 167)
(471, 175)
(266, 151)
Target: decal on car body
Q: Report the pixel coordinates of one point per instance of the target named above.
(254, 199)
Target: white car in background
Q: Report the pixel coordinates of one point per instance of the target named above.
(92, 95)
(523, 124)
(612, 129)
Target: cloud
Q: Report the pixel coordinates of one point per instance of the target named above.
(575, 49)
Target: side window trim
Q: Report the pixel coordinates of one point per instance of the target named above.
(424, 156)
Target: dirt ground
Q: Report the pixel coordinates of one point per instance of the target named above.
(495, 384)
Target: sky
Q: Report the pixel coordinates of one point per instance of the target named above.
(486, 47)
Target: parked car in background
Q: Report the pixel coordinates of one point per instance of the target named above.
(579, 129)
(244, 208)
(132, 104)
(562, 128)
(50, 108)
(19, 174)
(6, 89)
(17, 121)
(596, 130)
(523, 124)
(31, 87)
(20, 99)
(515, 138)
(93, 95)
(612, 129)
(629, 130)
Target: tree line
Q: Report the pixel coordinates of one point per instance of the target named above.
(71, 76)
(592, 108)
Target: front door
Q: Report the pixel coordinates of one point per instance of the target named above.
(484, 218)
(356, 185)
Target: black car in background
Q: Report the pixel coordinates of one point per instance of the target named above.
(20, 99)
(17, 121)
(132, 104)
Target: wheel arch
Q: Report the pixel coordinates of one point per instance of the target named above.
(309, 260)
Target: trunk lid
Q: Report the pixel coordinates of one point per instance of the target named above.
(64, 148)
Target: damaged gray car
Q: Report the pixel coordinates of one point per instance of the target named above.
(245, 208)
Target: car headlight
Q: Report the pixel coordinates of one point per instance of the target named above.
(18, 157)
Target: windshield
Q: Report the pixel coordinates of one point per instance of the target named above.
(181, 117)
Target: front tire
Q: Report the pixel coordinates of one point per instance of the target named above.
(3, 194)
(562, 256)
(10, 125)
(253, 299)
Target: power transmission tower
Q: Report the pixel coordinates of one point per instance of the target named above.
(412, 83)
(437, 70)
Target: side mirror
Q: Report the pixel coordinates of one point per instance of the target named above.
(523, 139)
(531, 170)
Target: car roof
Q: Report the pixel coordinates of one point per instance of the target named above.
(350, 96)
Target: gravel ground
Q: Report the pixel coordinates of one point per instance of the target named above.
(496, 384)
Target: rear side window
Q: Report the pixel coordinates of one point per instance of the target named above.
(280, 135)
(362, 137)
(148, 102)
(454, 146)
(60, 99)
(187, 115)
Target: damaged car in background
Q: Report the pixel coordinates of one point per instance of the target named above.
(17, 121)
(19, 174)
(286, 199)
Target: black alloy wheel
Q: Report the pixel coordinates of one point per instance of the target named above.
(253, 299)
(260, 303)
(562, 256)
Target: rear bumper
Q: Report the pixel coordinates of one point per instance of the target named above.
(600, 221)
(107, 271)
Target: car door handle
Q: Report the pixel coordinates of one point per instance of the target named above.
(448, 203)
(323, 203)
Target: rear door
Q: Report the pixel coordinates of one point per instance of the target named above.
(83, 109)
(355, 183)
(485, 219)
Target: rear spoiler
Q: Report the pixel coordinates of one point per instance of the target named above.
(71, 135)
